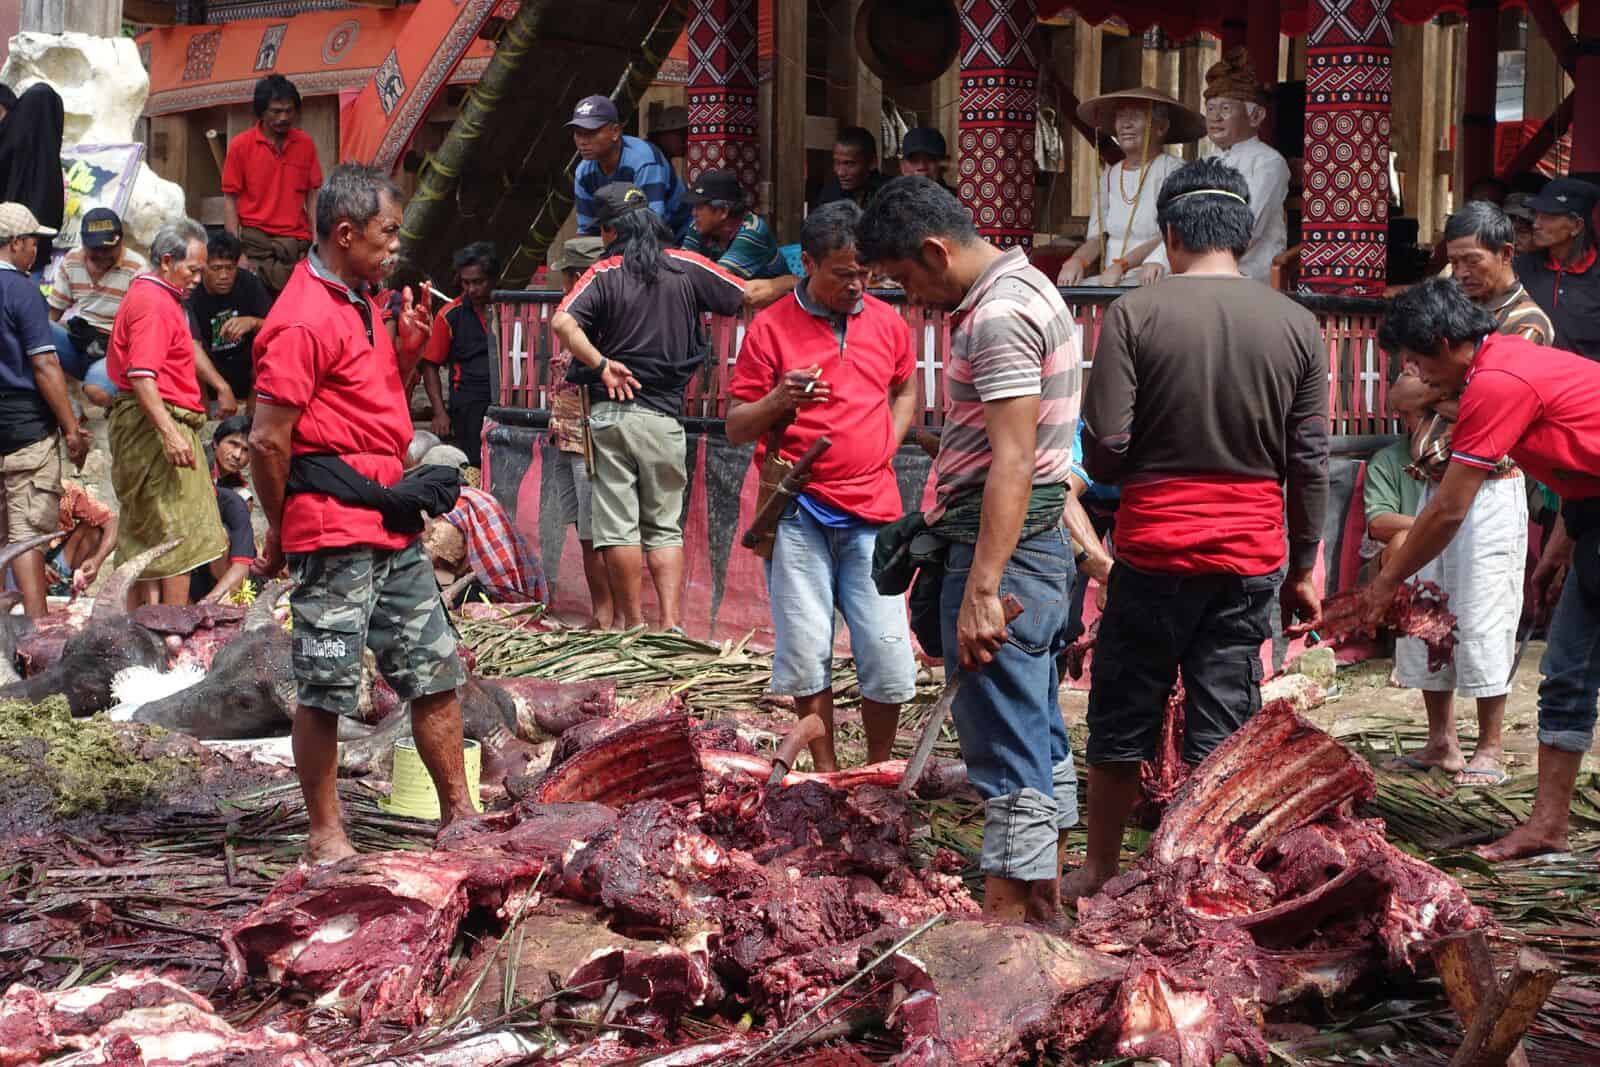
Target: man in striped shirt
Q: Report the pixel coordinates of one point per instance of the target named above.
(90, 282)
(1012, 381)
(611, 156)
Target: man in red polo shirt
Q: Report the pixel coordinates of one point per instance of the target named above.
(329, 383)
(269, 183)
(829, 359)
(1541, 407)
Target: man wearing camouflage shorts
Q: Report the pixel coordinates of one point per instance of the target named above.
(329, 382)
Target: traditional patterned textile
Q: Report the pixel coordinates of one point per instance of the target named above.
(496, 552)
(999, 97)
(1345, 225)
(721, 36)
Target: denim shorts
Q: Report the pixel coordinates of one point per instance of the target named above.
(1571, 664)
(816, 574)
(1211, 625)
(1008, 716)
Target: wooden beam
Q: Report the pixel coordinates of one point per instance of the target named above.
(1534, 148)
(789, 119)
(1555, 32)
(1505, 1013)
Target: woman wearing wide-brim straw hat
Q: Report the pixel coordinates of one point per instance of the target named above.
(1122, 219)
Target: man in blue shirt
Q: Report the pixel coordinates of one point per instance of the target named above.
(35, 414)
(609, 156)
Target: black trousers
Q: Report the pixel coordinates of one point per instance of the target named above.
(466, 423)
(1211, 625)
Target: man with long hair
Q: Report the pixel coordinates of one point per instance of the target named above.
(632, 325)
(269, 183)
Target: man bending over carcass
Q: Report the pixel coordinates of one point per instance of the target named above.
(328, 384)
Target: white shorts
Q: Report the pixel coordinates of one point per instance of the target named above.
(1481, 572)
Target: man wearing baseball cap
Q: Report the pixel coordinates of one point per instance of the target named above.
(923, 151)
(609, 155)
(34, 408)
(1560, 272)
(88, 287)
(738, 240)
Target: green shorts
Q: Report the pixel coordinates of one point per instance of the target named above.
(347, 599)
(639, 476)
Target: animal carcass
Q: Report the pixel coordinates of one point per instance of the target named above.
(136, 1019)
(108, 643)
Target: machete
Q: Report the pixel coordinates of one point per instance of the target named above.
(941, 711)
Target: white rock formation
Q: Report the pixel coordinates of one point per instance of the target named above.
(103, 88)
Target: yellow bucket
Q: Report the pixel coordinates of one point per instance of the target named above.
(413, 795)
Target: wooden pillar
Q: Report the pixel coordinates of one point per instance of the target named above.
(1416, 124)
(855, 94)
(1477, 120)
(1346, 221)
(1087, 44)
(722, 89)
(99, 18)
(1586, 105)
(788, 119)
(1261, 38)
(999, 98)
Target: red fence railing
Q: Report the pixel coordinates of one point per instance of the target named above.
(1358, 371)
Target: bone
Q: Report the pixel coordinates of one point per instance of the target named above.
(259, 615)
(112, 600)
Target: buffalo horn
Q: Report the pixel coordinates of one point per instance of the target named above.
(260, 613)
(112, 600)
(28, 544)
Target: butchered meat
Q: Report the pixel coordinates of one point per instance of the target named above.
(135, 1019)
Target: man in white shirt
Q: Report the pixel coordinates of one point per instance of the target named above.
(1236, 106)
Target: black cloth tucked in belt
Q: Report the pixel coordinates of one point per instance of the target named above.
(432, 488)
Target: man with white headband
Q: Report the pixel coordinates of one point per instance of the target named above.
(1202, 541)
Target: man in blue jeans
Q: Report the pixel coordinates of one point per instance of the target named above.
(1208, 405)
(1012, 380)
(1541, 407)
(829, 360)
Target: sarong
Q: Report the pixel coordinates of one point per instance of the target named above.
(272, 256)
(161, 502)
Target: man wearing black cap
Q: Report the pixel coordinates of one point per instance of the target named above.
(610, 156)
(923, 151)
(737, 239)
(1560, 273)
(90, 282)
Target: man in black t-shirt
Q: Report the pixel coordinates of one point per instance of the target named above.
(225, 311)
(462, 339)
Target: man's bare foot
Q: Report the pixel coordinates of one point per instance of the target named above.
(1083, 882)
(1526, 840)
(327, 848)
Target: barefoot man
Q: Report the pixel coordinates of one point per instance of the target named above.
(328, 381)
(1541, 407)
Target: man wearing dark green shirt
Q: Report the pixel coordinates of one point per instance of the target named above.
(1390, 496)
(726, 231)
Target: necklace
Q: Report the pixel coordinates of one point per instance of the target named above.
(1122, 183)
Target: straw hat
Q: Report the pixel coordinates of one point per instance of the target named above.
(1183, 127)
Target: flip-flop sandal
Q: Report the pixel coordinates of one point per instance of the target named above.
(1473, 778)
(1408, 765)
